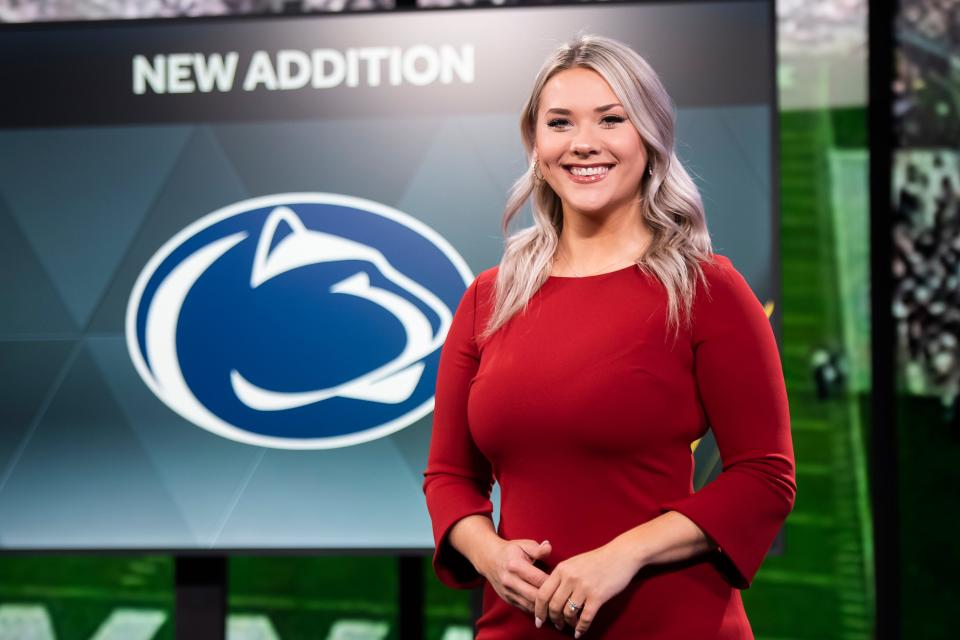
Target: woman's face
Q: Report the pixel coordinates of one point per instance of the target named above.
(582, 129)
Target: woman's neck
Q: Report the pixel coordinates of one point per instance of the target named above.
(600, 243)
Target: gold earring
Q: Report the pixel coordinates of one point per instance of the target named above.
(537, 174)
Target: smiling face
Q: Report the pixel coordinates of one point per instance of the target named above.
(589, 152)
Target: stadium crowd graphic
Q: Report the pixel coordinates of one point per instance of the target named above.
(39, 10)
(926, 224)
(927, 83)
(926, 267)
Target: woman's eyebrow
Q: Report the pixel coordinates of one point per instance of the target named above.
(567, 112)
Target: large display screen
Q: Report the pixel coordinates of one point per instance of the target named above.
(230, 250)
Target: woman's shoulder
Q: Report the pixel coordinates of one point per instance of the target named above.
(488, 276)
(719, 272)
(716, 265)
(479, 292)
(727, 293)
(485, 281)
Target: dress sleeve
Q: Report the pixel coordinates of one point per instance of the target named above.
(740, 381)
(458, 478)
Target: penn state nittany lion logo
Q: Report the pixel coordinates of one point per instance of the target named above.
(299, 321)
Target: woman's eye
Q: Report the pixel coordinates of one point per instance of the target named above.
(607, 120)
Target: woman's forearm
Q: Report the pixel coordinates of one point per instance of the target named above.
(475, 537)
(669, 537)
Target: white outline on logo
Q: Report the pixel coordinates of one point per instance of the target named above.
(215, 424)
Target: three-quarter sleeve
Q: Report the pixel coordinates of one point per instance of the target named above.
(458, 478)
(740, 382)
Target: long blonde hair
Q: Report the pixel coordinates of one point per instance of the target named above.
(670, 202)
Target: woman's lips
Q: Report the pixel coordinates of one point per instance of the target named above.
(597, 177)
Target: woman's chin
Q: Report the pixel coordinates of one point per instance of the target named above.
(590, 206)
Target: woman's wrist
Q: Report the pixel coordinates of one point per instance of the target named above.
(669, 537)
(631, 548)
(474, 537)
(484, 551)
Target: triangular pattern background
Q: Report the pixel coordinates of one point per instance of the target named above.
(83, 210)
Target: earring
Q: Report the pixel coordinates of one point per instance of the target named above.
(537, 174)
(650, 170)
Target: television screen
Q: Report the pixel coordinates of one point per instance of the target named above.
(230, 250)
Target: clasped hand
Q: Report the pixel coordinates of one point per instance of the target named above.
(588, 580)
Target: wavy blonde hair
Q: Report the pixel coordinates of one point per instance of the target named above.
(670, 202)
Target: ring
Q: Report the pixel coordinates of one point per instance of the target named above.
(573, 607)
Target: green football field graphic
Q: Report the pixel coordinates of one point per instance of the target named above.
(822, 587)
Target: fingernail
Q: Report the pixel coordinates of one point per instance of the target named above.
(538, 622)
(576, 635)
(545, 542)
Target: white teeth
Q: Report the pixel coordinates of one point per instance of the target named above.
(588, 171)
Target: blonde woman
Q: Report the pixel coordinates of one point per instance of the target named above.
(579, 371)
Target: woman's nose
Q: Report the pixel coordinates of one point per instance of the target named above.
(583, 148)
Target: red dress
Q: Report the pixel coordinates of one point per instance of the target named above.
(584, 411)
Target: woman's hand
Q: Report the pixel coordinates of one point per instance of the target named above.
(510, 571)
(589, 580)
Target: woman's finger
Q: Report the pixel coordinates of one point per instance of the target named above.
(544, 594)
(531, 575)
(571, 614)
(520, 590)
(525, 590)
(517, 599)
(524, 604)
(586, 617)
(557, 604)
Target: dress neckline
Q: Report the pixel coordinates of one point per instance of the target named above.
(596, 276)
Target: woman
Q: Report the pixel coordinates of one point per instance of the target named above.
(579, 371)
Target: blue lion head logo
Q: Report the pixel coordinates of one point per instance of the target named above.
(297, 321)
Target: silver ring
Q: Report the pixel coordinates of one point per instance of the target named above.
(573, 607)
